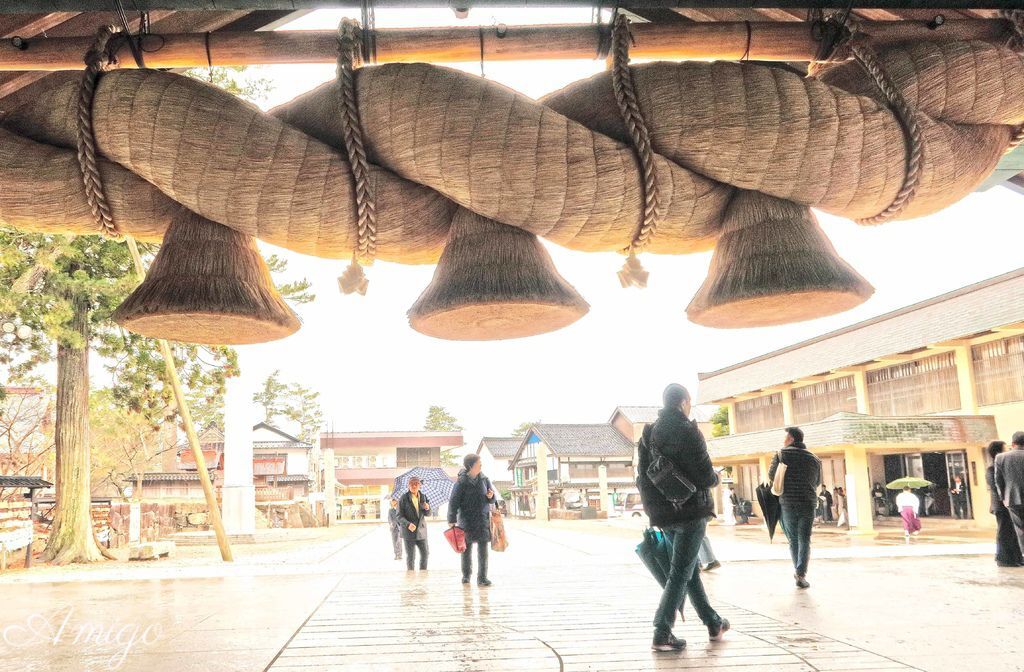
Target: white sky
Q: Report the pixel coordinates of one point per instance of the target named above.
(375, 373)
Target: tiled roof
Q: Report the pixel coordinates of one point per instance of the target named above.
(588, 440)
(503, 448)
(167, 476)
(970, 310)
(291, 478)
(23, 482)
(287, 438)
(928, 432)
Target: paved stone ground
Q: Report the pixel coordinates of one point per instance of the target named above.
(566, 597)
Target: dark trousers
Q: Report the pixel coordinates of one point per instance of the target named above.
(797, 522)
(481, 560)
(410, 553)
(396, 540)
(1008, 548)
(959, 507)
(684, 579)
(1017, 517)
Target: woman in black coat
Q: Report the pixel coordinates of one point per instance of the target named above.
(470, 509)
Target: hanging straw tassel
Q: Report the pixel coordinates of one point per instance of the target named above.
(353, 279)
(349, 57)
(208, 284)
(492, 282)
(773, 265)
(632, 273)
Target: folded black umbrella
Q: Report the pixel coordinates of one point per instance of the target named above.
(655, 551)
(771, 509)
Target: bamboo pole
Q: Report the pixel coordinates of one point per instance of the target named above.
(186, 419)
(756, 40)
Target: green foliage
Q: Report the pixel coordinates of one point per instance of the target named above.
(292, 401)
(296, 292)
(236, 80)
(720, 422)
(440, 420)
(523, 428)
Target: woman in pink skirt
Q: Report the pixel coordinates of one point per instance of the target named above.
(908, 504)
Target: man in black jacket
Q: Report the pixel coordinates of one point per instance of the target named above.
(799, 498)
(676, 437)
(413, 509)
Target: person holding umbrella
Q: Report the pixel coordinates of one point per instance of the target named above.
(413, 509)
(470, 509)
(798, 497)
(908, 504)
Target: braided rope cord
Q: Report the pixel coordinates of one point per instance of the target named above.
(1015, 42)
(911, 130)
(349, 57)
(629, 106)
(97, 61)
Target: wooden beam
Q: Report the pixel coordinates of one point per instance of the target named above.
(766, 41)
(17, 6)
(27, 26)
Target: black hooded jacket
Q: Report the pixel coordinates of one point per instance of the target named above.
(469, 507)
(679, 440)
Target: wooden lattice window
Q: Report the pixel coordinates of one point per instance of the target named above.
(819, 401)
(999, 370)
(918, 387)
(754, 415)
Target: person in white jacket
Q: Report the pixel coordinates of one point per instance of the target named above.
(908, 504)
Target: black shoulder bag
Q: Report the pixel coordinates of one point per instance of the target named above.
(666, 476)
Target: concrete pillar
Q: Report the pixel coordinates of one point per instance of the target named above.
(965, 380)
(858, 491)
(980, 498)
(542, 481)
(787, 407)
(602, 486)
(731, 405)
(330, 486)
(860, 387)
(238, 494)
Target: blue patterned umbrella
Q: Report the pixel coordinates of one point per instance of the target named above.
(434, 481)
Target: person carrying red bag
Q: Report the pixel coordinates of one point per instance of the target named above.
(470, 509)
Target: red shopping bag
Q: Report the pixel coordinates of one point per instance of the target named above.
(457, 538)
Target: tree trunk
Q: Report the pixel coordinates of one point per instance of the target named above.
(71, 536)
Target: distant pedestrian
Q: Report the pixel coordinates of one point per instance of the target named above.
(470, 509)
(826, 505)
(840, 499)
(879, 498)
(674, 444)
(413, 509)
(706, 556)
(728, 506)
(958, 495)
(1009, 477)
(799, 498)
(396, 529)
(909, 504)
(1008, 550)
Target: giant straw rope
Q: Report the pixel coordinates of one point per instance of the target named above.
(441, 144)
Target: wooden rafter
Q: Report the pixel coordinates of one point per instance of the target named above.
(763, 41)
